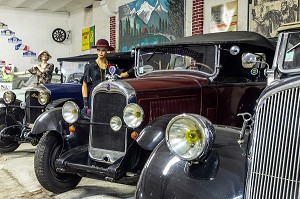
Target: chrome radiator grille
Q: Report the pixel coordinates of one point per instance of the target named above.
(33, 109)
(274, 162)
(105, 106)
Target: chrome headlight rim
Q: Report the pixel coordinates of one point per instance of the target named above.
(207, 131)
(115, 123)
(70, 112)
(133, 107)
(9, 97)
(40, 98)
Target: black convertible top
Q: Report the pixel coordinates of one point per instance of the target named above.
(90, 57)
(235, 37)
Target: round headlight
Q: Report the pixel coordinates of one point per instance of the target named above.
(70, 112)
(43, 98)
(9, 97)
(133, 115)
(115, 123)
(189, 136)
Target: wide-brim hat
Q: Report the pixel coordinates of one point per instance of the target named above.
(40, 53)
(103, 43)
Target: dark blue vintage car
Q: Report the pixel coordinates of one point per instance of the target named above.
(17, 117)
(261, 160)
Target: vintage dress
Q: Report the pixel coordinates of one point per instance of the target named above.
(43, 77)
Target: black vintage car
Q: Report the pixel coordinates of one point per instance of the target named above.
(259, 161)
(200, 74)
(17, 117)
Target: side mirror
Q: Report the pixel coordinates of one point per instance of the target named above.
(234, 50)
(56, 70)
(249, 58)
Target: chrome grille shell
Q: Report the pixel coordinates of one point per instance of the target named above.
(274, 154)
(100, 149)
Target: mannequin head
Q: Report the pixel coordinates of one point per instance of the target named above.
(44, 56)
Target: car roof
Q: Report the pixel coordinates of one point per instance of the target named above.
(289, 26)
(89, 57)
(235, 37)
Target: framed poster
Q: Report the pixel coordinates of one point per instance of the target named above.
(144, 22)
(267, 16)
(224, 17)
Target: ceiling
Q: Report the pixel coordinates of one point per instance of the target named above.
(48, 5)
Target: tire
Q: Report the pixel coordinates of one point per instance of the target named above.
(7, 145)
(59, 35)
(47, 152)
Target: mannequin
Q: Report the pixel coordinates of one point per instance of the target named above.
(43, 70)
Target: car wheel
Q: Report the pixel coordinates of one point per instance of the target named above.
(7, 145)
(48, 150)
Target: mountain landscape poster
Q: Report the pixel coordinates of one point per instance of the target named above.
(144, 22)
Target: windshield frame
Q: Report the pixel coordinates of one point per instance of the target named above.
(283, 49)
(140, 51)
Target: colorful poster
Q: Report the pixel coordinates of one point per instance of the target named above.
(144, 22)
(7, 73)
(224, 17)
(267, 16)
(88, 38)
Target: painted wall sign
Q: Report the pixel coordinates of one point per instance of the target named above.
(7, 33)
(29, 54)
(21, 47)
(14, 40)
(3, 26)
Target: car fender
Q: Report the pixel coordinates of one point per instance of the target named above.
(152, 134)
(11, 114)
(61, 102)
(50, 120)
(166, 176)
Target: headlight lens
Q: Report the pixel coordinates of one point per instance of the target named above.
(189, 136)
(133, 115)
(9, 97)
(70, 112)
(43, 98)
(115, 123)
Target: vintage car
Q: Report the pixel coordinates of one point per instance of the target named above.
(201, 74)
(17, 117)
(259, 161)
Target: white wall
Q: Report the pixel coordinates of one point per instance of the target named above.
(35, 30)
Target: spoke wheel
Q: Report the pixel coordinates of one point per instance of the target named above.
(48, 150)
(59, 35)
(7, 145)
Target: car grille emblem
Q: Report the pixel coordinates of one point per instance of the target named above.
(34, 95)
(108, 87)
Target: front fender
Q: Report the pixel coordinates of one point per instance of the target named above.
(166, 176)
(154, 132)
(51, 120)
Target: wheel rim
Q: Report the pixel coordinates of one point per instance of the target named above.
(59, 35)
(55, 152)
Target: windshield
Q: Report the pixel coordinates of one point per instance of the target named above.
(191, 58)
(292, 53)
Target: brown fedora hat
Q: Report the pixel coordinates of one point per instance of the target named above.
(103, 43)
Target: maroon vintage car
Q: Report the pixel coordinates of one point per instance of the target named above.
(200, 74)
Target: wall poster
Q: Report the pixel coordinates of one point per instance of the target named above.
(266, 16)
(224, 17)
(88, 38)
(144, 22)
